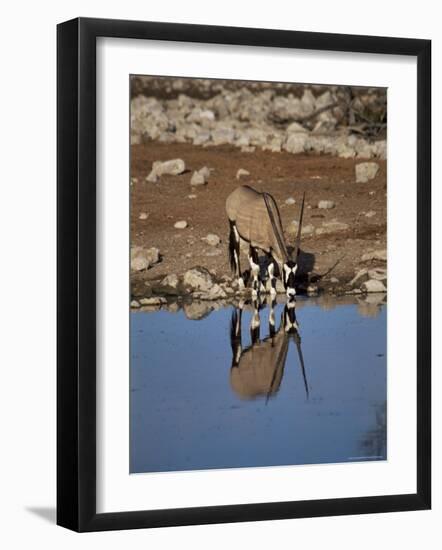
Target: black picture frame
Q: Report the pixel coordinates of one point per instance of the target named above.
(76, 274)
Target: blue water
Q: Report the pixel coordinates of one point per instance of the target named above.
(187, 412)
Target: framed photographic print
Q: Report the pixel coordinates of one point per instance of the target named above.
(243, 274)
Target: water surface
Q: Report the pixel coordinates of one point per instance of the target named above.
(203, 398)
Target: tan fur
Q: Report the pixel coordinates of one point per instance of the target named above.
(260, 368)
(247, 208)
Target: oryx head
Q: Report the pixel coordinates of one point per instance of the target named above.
(289, 263)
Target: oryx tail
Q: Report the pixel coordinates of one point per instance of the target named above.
(232, 246)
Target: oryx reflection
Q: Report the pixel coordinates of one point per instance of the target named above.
(257, 370)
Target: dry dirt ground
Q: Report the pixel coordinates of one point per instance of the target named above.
(282, 174)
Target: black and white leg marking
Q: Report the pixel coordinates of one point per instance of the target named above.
(254, 268)
(272, 329)
(272, 278)
(255, 323)
(289, 272)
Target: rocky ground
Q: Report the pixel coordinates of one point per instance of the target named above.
(339, 120)
(186, 161)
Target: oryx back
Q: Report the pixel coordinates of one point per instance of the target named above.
(249, 211)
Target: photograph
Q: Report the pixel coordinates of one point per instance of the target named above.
(258, 274)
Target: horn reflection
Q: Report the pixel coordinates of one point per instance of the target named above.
(257, 370)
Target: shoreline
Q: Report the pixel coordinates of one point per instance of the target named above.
(196, 309)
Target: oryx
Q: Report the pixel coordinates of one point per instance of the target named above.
(254, 217)
(257, 370)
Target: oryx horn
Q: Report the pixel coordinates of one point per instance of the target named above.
(301, 360)
(298, 236)
(279, 238)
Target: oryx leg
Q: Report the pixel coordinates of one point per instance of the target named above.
(235, 336)
(272, 329)
(234, 253)
(254, 269)
(290, 322)
(272, 278)
(255, 323)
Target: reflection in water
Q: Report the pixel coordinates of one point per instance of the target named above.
(224, 384)
(257, 369)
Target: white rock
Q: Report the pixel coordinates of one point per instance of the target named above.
(326, 205)
(182, 224)
(332, 227)
(380, 255)
(191, 196)
(212, 239)
(201, 116)
(153, 301)
(381, 149)
(198, 278)
(373, 285)
(370, 214)
(135, 304)
(197, 179)
(202, 137)
(171, 167)
(307, 230)
(170, 280)
(243, 140)
(274, 145)
(222, 136)
(308, 99)
(141, 258)
(334, 280)
(296, 143)
(242, 172)
(324, 99)
(152, 177)
(143, 216)
(214, 293)
(346, 152)
(290, 200)
(366, 171)
(178, 85)
(200, 177)
(295, 127)
(139, 264)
